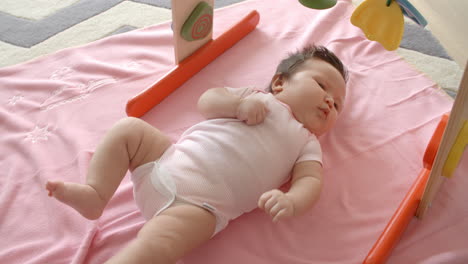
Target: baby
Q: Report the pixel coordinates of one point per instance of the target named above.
(251, 144)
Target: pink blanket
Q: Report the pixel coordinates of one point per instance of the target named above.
(56, 108)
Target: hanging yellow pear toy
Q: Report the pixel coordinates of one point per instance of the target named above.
(379, 22)
(383, 21)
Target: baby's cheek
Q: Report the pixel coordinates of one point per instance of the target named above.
(332, 119)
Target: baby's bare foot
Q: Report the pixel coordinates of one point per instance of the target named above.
(82, 197)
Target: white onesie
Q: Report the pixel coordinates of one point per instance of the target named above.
(225, 165)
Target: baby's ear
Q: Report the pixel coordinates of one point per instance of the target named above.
(277, 83)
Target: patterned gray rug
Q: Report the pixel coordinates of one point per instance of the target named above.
(31, 28)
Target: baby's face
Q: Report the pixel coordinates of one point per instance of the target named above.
(315, 93)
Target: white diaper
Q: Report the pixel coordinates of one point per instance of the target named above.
(154, 191)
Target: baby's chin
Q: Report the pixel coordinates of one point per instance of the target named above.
(320, 130)
(316, 131)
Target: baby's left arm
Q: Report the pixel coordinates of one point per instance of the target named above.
(304, 192)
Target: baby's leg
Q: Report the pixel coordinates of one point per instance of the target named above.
(169, 236)
(129, 144)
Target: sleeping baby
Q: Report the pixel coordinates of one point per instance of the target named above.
(251, 143)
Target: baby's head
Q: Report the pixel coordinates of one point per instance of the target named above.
(312, 83)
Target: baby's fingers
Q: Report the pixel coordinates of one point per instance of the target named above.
(263, 114)
(252, 118)
(265, 110)
(270, 205)
(283, 213)
(275, 209)
(259, 118)
(263, 199)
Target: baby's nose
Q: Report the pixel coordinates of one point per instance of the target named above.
(329, 100)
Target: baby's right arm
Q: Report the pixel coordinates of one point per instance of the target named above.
(220, 103)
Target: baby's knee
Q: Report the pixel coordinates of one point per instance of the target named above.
(129, 127)
(129, 124)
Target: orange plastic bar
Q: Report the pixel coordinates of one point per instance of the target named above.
(407, 209)
(143, 102)
(433, 147)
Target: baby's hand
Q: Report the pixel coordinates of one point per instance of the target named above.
(252, 111)
(277, 204)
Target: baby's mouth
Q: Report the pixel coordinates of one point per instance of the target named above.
(325, 111)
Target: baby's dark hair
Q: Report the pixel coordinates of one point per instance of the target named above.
(288, 66)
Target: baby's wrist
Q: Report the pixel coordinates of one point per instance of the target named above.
(238, 107)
